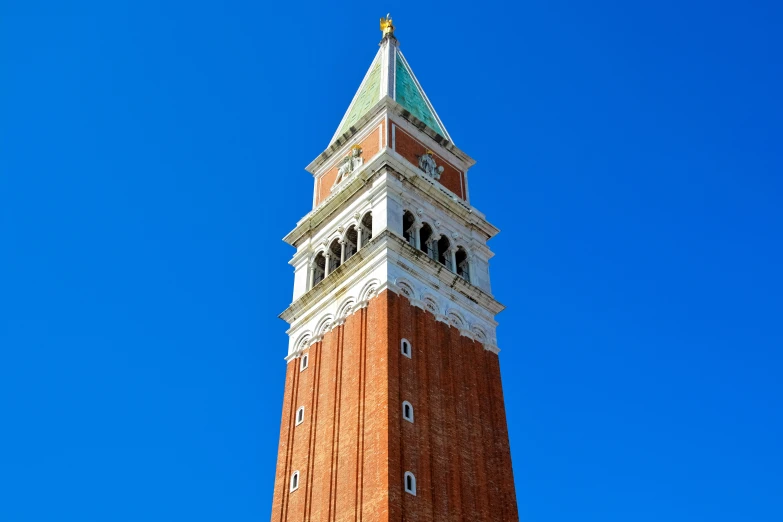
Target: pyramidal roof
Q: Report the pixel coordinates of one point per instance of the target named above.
(390, 75)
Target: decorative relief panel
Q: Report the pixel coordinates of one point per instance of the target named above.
(349, 165)
(429, 166)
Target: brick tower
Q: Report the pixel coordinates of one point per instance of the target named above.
(393, 407)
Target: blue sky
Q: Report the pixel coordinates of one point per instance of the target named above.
(153, 157)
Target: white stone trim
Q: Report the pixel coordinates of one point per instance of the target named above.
(324, 325)
(455, 319)
(387, 71)
(393, 84)
(346, 308)
(386, 138)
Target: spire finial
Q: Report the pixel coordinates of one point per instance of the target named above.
(387, 28)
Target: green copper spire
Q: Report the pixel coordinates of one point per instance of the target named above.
(408, 93)
(368, 95)
(390, 75)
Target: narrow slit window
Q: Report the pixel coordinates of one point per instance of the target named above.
(295, 481)
(300, 416)
(405, 348)
(410, 483)
(303, 362)
(407, 411)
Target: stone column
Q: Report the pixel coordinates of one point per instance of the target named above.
(469, 267)
(342, 251)
(432, 246)
(328, 257)
(416, 229)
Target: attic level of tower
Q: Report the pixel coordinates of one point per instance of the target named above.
(388, 129)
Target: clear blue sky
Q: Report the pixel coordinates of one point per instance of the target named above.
(152, 157)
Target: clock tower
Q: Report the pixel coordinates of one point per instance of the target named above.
(393, 407)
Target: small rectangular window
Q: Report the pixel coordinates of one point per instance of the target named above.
(303, 363)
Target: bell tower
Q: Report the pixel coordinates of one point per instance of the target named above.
(393, 407)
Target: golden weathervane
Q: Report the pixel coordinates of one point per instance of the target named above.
(387, 28)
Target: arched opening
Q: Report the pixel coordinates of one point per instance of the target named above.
(425, 241)
(407, 411)
(295, 481)
(408, 230)
(366, 228)
(405, 348)
(444, 254)
(319, 268)
(335, 255)
(463, 267)
(410, 483)
(351, 238)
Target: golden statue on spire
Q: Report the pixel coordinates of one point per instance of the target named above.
(387, 28)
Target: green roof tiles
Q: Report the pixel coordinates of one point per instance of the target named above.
(409, 95)
(368, 95)
(390, 75)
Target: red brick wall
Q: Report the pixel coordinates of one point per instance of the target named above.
(370, 147)
(410, 149)
(280, 497)
(457, 446)
(354, 447)
(341, 449)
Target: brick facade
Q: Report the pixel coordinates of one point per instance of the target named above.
(410, 148)
(354, 447)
